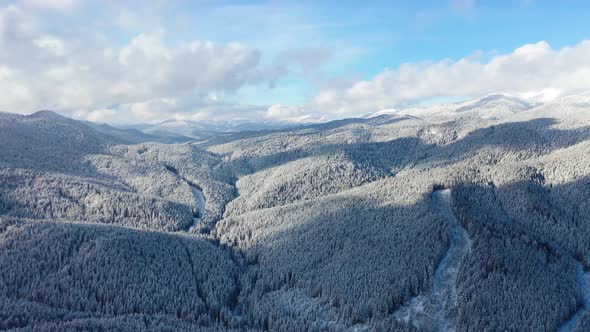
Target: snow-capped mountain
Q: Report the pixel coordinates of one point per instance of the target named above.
(574, 108)
(199, 130)
(491, 107)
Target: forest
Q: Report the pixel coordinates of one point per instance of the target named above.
(326, 227)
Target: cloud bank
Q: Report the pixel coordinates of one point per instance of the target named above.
(146, 78)
(90, 72)
(534, 71)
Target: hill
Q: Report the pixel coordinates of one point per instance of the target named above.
(469, 216)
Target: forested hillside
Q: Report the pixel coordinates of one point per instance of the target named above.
(463, 217)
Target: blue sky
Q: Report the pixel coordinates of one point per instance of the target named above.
(308, 60)
(363, 38)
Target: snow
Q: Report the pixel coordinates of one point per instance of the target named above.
(584, 284)
(200, 203)
(573, 108)
(431, 310)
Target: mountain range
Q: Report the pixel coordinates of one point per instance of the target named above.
(469, 216)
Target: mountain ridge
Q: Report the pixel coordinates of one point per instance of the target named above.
(329, 227)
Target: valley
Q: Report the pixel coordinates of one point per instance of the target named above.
(458, 217)
(433, 311)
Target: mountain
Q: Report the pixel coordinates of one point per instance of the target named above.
(174, 128)
(491, 107)
(460, 217)
(495, 106)
(573, 108)
(179, 130)
(48, 140)
(132, 135)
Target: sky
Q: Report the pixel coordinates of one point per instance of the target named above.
(123, 62)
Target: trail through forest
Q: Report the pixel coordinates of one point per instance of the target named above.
(199, 197)
(584, 284)
(431, 311)
(198, 193)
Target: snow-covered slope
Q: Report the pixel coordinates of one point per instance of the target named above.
(325, 227)
(491, 107)
(132, 135)
(46, 140)
(199, 130)
(97, 177)
(172, 128)
(572, 108)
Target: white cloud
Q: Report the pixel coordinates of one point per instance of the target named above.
(292, 114)
(96, 71)
(533, 70)
(63, 5)
(99, 115)
(84, 70)
(51, 44)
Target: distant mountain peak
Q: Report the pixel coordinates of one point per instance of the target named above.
(47, 114)
(496, 100)
(386, 111)
(55, 117)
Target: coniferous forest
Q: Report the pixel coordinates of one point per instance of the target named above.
(385, 223)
